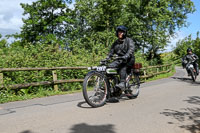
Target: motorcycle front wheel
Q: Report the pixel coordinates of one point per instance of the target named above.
(95, 89)
(193, 75)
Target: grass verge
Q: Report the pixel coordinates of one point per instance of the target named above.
(161, 76)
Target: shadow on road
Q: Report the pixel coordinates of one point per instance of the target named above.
(187, 115)
(83, 104)
(85, 128)
(188, 80)
(194, 100)
(26, 131)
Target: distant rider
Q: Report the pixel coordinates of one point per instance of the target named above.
(190, 57)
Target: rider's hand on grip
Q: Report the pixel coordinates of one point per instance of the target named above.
(104, 60)
(124, 57)
(194, 58)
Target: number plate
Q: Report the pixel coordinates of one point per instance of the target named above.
(98, 68)
(101, 68)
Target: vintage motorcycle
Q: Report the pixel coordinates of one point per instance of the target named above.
(191, 70)
(100, 84)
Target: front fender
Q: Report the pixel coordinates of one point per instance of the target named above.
(93, 71)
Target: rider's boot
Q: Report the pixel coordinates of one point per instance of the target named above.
(121, 85)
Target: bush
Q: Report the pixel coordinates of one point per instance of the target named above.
(32, 56)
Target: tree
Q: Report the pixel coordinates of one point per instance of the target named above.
(46, 21)
(91, 24)
(153, 22)
(96, 21)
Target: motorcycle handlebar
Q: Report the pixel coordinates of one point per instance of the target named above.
(115, 57)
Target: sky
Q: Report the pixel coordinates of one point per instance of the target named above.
(11, 20)
(194, 26)
(11, 16)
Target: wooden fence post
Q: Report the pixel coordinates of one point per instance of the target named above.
(55, 79)
(1, 78)
(145, 75)
(157, 71)
(170, 68)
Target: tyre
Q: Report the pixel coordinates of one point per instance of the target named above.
(193, 75)
(95, 89)
(134, 87)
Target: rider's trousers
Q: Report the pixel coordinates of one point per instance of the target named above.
(123, 68)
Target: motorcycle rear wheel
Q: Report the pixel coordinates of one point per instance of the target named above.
(95, 89)
(134, 87)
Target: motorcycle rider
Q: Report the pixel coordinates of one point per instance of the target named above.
(191, 57)
(123, 47)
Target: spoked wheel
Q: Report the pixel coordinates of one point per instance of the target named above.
(193, 75)
(134, 87)
(95, 89)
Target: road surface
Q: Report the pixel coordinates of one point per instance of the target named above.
(170, 105)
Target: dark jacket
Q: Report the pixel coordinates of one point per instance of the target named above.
(191, 58)
(124, 48)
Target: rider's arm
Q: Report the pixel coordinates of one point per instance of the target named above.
(130, 50)
(196, 56)
(185, 58)
(111, 52)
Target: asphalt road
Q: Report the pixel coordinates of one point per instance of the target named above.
(170, 105)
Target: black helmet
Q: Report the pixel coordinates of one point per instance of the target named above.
(189, 50)
(121, 28)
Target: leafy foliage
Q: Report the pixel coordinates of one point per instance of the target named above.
(92, 23)
(3, 42)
